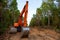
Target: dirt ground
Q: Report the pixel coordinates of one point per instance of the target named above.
(35, 34)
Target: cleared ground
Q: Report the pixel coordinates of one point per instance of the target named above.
(35, 34)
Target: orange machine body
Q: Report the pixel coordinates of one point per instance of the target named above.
(22, 22)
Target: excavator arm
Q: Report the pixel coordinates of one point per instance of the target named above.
(25, 16)
(25, 12)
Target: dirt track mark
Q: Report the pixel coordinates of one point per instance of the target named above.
(36, 34)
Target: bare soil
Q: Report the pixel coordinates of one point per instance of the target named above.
(35, 34)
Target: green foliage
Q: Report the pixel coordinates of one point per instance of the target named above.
(34, 21)
(47, 15)
(8, 15)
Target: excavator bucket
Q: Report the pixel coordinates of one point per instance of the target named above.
(25, 32)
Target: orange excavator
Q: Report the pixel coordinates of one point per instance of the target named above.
(21, 25)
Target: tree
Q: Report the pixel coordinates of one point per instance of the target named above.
(47, 14)
(8, 14)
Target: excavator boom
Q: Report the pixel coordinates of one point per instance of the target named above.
(25, 12)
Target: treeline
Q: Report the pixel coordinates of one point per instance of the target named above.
(47, 16)
(8, 14)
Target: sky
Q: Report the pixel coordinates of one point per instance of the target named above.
(32, 6)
